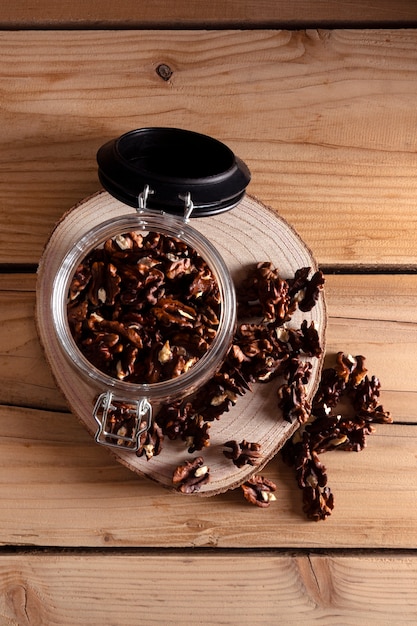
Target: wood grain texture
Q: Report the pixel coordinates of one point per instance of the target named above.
(325, 120)
(60, 489)
(246, 13)
(362, 320)
(172, 589)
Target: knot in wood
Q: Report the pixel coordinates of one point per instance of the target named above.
(164, 71)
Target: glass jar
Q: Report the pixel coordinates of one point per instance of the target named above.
(165, 170)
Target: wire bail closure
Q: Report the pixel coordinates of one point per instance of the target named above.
(188, 207)
(143, 198)
(135, 415)
(147, 191)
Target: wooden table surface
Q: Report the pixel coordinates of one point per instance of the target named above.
(326, 120)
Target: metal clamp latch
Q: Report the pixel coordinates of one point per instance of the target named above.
(121, 421)
(147, 191)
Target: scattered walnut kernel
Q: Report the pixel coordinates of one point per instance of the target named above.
(156, 284)
(150, 442)
(191, 476)
(164, 305)
(259, 353)
(259, 490)
(243, 453)
(266, 293)
(325, 430)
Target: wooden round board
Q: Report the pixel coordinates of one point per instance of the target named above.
(248, 234)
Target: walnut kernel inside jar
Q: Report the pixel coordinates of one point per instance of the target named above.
(144, 307)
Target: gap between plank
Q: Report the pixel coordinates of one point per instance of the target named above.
(18, 268)
(336, 269)
(225, 552)
(368, 269)
(195, 24)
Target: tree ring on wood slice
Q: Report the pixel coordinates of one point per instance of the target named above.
(249, 234)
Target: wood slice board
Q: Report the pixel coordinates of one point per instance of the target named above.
(248, 234)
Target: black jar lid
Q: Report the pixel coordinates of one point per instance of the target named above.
(174, 164)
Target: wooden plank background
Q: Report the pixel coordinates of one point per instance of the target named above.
(258, 589)
(325, 122)
(362, 320)
(39, 434)
(197, 14)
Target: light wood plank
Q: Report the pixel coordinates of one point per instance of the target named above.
(374, 297)
(245, 13)
(61, 489)
(26, 378)
(325, 119)
(172, 589)
(376, 316)
(370, 315)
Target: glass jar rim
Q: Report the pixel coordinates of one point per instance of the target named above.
(171, 226)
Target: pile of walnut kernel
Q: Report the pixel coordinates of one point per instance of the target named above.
(266, 349)
(263, 349)
(326, 429)
(145, 308)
